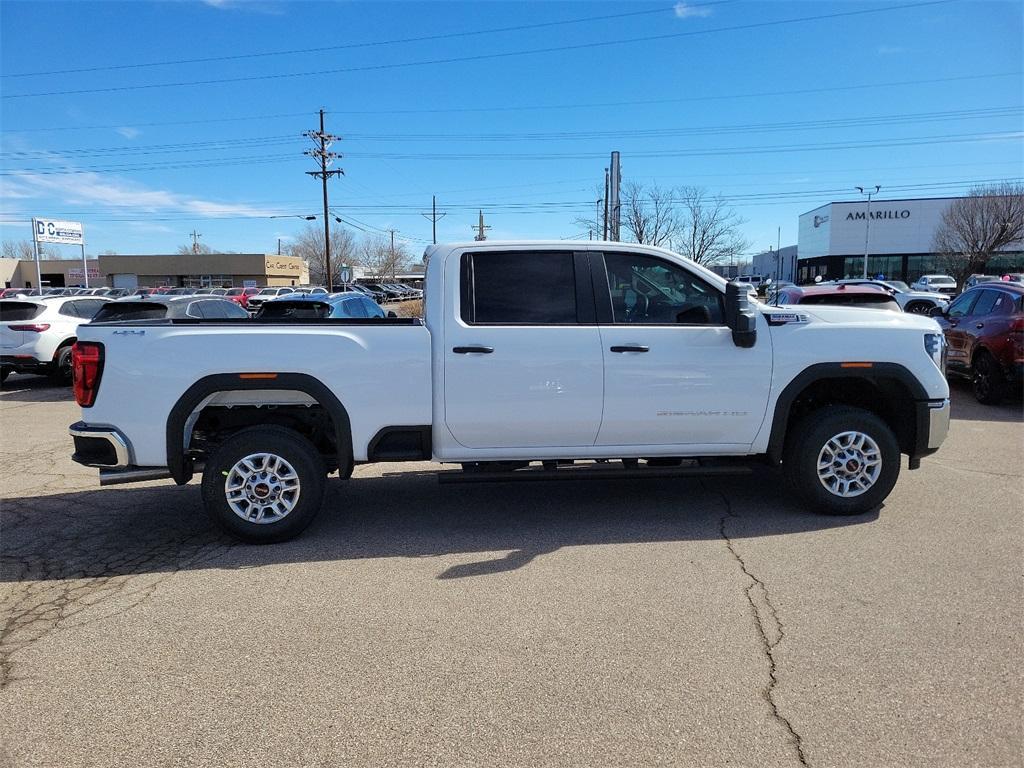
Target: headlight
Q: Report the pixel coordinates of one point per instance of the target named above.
(935, 346)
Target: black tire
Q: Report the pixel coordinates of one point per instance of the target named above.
(4, 373)
(919, 307)
(805, 442)
(296, 451)
(987, 379)
(61, 371)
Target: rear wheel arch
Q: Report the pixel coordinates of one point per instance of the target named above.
(888, 390)
(180, 465)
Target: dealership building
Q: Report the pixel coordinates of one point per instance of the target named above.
(200, 270)
(900, 237)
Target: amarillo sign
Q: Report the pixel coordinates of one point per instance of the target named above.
(890, 214)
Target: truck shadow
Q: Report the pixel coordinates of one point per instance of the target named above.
(158, 529)
(25, 388)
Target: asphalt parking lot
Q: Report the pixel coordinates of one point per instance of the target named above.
(658, 622)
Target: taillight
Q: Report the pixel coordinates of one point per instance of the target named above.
(37, 328)
(1017, 324)
(86, 368)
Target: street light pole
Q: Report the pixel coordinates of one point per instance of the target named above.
(867, 225)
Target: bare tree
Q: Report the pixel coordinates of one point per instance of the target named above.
(594, 227)
(709, 231)
(976, 227)
(185, 250)
(650, 214)
(309, 246)
(380, 259)
(17, 249)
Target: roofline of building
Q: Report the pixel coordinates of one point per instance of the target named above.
(893, 200)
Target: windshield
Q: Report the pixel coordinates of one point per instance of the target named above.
(268, 292)
(942, 281)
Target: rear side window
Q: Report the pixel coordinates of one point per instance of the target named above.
(353, 308)
(12, 311)
(519, 288)
(371, 308)
(88, 308)
(131, 310)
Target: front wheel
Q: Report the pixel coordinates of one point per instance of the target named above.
(987, 379)
(264, 484)
(842, 460)
(61, 371)
(919, 307)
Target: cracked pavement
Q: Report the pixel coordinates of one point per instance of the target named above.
(661, 622)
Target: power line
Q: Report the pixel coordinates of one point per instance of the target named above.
(529, 107)
(348, 46)
(488, 56)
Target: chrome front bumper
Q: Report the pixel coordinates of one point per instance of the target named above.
(938, 422)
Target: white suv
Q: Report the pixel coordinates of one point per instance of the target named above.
(36, 334)
(936, 284)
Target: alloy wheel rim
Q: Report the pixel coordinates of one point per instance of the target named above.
(262, 488)
(849, 464)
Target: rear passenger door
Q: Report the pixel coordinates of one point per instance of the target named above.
(522, 354)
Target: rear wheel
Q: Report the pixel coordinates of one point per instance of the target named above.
(919, 307)
(987, 378)
(264, 484)
(61, 371)
(4, 373)
(842, 460)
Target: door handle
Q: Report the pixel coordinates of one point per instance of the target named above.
(472, 350)
(980, 325)
(631, 348)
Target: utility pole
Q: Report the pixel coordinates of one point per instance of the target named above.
(867, 225)
(195, 240)
(615, 179)
(480, 228)
(322, 154)
(391, 257)
(433, 216)
(604, 233)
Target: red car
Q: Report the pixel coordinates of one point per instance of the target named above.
(843, 295)
(241, 295)
(984, 328)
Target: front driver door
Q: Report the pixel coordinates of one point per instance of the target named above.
(673, 375)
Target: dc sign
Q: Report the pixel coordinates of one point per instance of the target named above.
(56, 231)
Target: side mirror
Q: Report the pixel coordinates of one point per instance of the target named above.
(936, 312)
(740, 316)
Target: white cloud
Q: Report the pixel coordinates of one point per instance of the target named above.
(126, 196)
(128, 132)
(685, 11)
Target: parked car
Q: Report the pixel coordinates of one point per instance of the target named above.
(377, 296)
(754, 281)
(178, 292)
(117, 293)
(415, 293)
(984, 329)
(974, 280)
(385, 293)
(311, 290)
(210, 291)
(36, 334)
(936, 284)
(863, 296)
(916, 302)
(241, 296)
(654, 357)
(265, 294)
(162, 307)
(352, 304)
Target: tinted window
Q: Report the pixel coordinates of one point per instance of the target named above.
(214, 309)
(11, 311)
(522, 287)
(962, 306)
(88, 308)
(351, 308)
(131, 310)
(651, 291)
(233, 311)
(986, 303)
(371, 308)
(69, 309)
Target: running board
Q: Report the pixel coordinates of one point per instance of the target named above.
(133, 475)
(588, 471)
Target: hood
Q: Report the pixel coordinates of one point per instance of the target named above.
(926, 295)
(850, 316)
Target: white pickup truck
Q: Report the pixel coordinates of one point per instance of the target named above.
(535, 360)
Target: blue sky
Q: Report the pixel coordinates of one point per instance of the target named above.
(756, 101)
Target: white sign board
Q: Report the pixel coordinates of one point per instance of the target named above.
(55, 231)
(77, 273)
